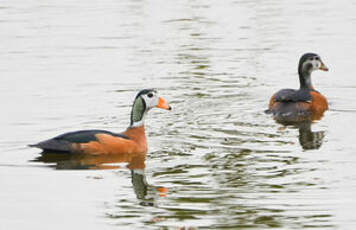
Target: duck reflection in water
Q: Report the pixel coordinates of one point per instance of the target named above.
(145, 193)
(309, 139)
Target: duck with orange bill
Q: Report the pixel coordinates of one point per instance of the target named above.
(98, 142)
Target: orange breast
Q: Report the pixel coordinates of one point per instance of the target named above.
(319, 105)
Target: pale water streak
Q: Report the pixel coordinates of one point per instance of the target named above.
(216, 160)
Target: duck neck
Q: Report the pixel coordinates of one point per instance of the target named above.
(137, 120)
(305, 79)
(138, 113)
(136, 133)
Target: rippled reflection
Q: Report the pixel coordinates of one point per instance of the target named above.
(309, 139)
(145, 193)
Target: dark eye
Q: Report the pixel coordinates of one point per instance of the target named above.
(317, 58)
(150, 95)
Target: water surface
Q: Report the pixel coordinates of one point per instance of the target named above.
(216, 161)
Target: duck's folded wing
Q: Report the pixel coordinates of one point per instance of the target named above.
(292, 95)
(84, 136)
(63, 142)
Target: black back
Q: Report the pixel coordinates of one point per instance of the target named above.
(85, 136)
(292, 95)
(63, 143)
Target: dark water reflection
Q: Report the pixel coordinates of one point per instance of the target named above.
(145, 193)
(309, 139)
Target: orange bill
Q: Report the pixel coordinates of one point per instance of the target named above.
(163, 104)
(323, 67)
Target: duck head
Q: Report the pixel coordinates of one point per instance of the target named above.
(308, 63)
(144, 101)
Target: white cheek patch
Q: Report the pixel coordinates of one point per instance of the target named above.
(151, 102)
(155, 100)
(316, 64)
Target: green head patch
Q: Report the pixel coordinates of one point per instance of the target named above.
(138, 110)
